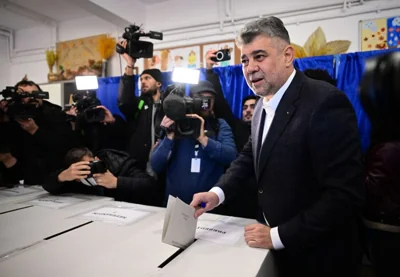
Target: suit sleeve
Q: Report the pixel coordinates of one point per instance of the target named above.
(127, 100)
(335, 152)
(238, 174)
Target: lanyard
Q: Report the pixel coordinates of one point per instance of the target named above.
(196, 149)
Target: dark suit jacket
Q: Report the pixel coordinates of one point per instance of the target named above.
(309, 176)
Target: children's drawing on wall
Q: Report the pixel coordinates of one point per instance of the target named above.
(167, 59)
(220, 46)
(381, 33)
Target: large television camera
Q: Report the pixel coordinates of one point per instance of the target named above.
(17, 108)
(136, 48)
(85, 100)
(177, 105)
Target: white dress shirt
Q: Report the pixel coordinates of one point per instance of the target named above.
(269, 108)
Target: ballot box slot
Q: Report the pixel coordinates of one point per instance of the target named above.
(13, 210)
(173, 256)
(66, 231)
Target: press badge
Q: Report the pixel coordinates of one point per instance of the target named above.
(195, 165)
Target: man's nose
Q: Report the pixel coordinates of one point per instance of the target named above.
(252, 66)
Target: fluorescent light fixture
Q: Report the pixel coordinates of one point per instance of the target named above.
(185, 75)
(86, 82)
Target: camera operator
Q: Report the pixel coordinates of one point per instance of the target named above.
(99, 128)
(240, 127)
(193, 165)
(40, 141)
(121, 180)
(144, 113)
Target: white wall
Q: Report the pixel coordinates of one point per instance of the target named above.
(172, 16)
(35, 65)
(4, 68)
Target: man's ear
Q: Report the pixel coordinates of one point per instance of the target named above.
(158, 84)
(289, 55)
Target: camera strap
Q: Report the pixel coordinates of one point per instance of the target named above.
(195, 167)
(140, 107)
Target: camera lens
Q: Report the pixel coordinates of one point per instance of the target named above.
(219, 56)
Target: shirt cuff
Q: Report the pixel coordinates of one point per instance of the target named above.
(276, 240)
(221, 195)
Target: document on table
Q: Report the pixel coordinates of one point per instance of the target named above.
(116, 215)
(17, 191)
(179, 223)
(57, 202)
(219, 232)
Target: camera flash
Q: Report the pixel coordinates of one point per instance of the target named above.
(86, 82)
(185, 75)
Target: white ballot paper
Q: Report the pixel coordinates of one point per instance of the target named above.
(56, 202)
(116, 215)
(219, 232)
(17, 191)
(179, 224)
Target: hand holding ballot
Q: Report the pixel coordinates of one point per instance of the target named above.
(179, 224)
(204, 202)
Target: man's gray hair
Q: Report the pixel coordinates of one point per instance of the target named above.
(271, 27)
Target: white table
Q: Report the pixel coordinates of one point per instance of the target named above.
(10, 198)
(203, 258)
(97, 249)
(26, 227)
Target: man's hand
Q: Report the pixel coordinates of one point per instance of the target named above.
(8, 160)
(108, 118)
(209, 199)
(72, 111)
(210, 54)
(28, 125)
(166, 123)
(4, 107)
(129, 60)
(258, 235)
(76, 171)
(203, 139)
(107, 180)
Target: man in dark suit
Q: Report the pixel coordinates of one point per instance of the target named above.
(305, 153)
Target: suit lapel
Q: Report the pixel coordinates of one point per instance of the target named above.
(255, 126)
(283, 115)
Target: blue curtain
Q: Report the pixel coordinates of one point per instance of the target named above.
(347, 69)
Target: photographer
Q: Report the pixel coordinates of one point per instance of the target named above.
(240, 127)
(194, 164)
(40, 139)
(143, 114)
(121, 180)
(104, 131)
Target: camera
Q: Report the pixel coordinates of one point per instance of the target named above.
(18, 109)
(222, 55)
(98, 167)
(136, 48)
(176, 105)
(86, 101)
(95, 167)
